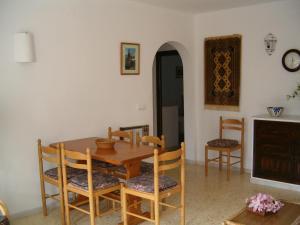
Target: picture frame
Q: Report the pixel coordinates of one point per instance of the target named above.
(130, 58)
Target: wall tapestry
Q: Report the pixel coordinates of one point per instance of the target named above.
(222, 72)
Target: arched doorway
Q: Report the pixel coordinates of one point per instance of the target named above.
(168, 95)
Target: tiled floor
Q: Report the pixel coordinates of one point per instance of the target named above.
(208, 200)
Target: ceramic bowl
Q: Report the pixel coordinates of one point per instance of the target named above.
(275, 111)
(104, 143)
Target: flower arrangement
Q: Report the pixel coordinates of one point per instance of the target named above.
(263, 204)
(295, 93)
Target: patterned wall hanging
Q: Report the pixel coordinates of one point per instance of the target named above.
(222, 72)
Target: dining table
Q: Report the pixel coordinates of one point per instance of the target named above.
(123, 153)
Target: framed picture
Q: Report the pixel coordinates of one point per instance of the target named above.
(130, 58)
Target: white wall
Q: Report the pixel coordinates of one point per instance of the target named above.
(264, 82)
(75, 89)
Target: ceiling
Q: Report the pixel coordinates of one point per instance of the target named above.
(198, 6)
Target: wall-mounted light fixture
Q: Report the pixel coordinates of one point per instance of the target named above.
(23, 44)
(270, 43)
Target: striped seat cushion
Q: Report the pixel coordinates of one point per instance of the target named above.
(222, 143)
(145, 183)
(146, 167)
(71, 172)
(100, 181)
(101, 164)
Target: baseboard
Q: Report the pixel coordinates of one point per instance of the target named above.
(275, 184)
(33, 211)
(214, 165)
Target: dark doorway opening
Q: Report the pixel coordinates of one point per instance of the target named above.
(169, 97)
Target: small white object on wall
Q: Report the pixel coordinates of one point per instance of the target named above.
(23, 47)
(270, 43)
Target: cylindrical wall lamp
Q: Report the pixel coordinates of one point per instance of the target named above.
(24, 52)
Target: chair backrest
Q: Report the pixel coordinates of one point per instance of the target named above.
(151, 140)
(3, 209)
(50, 155)
(232, 124)
(77, 160)
(122, 135)
(168, 161)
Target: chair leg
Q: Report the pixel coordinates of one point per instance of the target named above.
(43, 195)
(242, 161)
(206, 160)
(156, 209)
(182, 209)
(228, 164)
(124, 205)
(220, 160)
(67, 209)
(92, 209)
(62, 207)
(151, 209)
(98, 205)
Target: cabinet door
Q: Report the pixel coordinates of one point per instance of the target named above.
(272, 151)
(296, 166)
(272, 161)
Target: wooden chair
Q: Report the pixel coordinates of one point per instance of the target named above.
(157, 187)
(121, 135)
(52, 176)
(147, 167)
(91, 184)
(226, 146)
(4, 216)
(105, 167)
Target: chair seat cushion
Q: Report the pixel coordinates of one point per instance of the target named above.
(71, 172)
(146, 167)
(4, 220)
(121, 169)
(100, 181)
(101, 164)
(145, 183)
(223, 143)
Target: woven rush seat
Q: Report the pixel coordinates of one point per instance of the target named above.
(4, 220)
(100, 181)
(71, 172)
(222, 143)
(145, 183)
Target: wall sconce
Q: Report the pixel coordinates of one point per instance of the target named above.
(270, 43)
(23, 44)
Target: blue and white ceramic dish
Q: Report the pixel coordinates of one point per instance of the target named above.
(275, 111)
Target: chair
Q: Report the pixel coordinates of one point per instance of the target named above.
(157, 187)
(147, 167)
(121, 135)
(90, 184)
(52, 176)
(226, 146)
(4, 217)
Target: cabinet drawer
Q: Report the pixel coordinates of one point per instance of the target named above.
(272, 129)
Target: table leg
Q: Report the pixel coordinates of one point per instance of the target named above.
(133, 170)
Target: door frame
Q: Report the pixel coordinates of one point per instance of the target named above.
(158, 57)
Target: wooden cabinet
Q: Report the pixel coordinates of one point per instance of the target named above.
(276, 153)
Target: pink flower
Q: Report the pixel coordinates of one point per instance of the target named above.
(263, 203)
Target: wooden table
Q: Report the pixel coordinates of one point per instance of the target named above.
(288, 215)
(124, 154)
